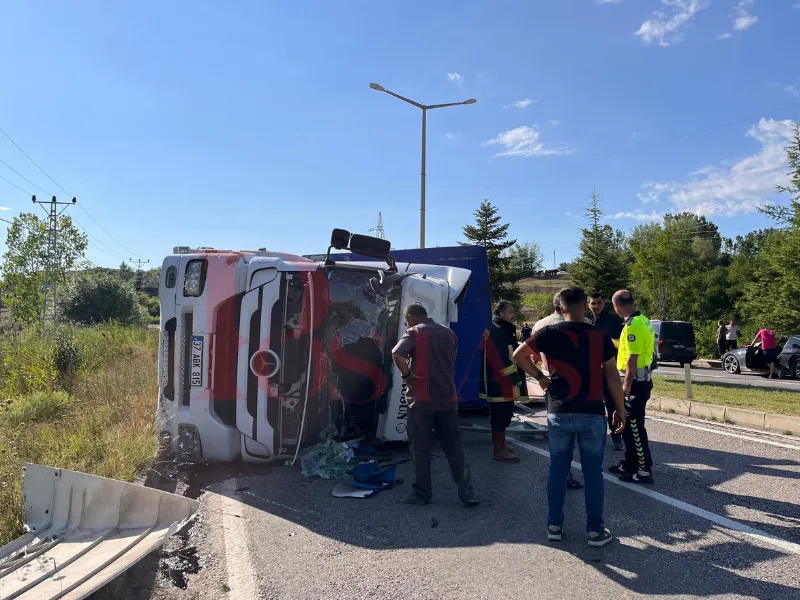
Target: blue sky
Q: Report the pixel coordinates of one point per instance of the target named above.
(249, 124)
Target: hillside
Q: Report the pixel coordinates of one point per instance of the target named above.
(537, 295)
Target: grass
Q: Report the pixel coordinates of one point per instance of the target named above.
(772, 401)
(99, 419)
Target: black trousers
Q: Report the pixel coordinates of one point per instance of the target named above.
(730, 345)
(637, 447)
(422, 426)
(500, 415)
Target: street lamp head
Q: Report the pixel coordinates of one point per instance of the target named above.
(470, 101)
(377, 87)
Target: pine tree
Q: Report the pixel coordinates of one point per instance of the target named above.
(600, 266)
(490, 233)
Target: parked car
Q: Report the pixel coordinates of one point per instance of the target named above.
(675, 341)
(750, 359)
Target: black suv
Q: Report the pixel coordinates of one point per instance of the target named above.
(675, 341)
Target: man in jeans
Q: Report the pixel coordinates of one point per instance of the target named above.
(579, 358)
(426, 358)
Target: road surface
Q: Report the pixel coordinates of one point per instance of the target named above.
(719, 376)
(722, 521)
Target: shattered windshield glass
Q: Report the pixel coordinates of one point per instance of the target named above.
(361, 327)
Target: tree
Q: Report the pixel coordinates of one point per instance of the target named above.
(526, 258)
(771, 297)
(93, 299)
(600, 266)
(126, 272)
(678, 272)
(490, 233)
(27, 262)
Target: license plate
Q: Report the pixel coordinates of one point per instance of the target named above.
(197, 361)
(680, 346)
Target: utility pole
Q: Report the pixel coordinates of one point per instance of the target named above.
(52, 271)
(138, 262)
(378, 229)
(554, 259)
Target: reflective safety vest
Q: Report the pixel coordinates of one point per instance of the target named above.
(637, 338)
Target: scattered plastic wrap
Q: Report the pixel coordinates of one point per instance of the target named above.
(327, 459)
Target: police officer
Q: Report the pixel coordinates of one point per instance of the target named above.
(634, 359)
(611, 323)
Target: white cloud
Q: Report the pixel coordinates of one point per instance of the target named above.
(724, 36)
(741, 188)
(796, 5)
(608, 1)
(524, 103)
(455, 78)
(665, 29)
(524, 142)
(554, 122)
(4, 208)
(635, 134)
(637, 215)
(789, 89)
(743, 19)
(451, 135)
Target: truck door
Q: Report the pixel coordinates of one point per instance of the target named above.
(273, 366)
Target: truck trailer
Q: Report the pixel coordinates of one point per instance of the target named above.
(261, 351)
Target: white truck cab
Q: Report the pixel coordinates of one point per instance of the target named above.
(261, 351)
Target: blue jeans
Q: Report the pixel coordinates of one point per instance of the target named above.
(590, 431)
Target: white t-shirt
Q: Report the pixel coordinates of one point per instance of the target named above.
(733, 332)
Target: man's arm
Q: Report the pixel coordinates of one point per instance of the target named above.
(615, 387)
(630, 373)
(402, 352)
(523, 356)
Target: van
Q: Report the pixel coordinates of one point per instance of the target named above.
(675, 341)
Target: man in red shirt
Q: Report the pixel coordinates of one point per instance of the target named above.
(426, 358)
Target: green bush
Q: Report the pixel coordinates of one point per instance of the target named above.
(541, 304)
(66, 357)
(36, 408)
(102, 299)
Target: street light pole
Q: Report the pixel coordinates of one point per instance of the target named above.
(425, 108)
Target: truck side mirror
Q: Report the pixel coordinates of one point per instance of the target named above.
(370, 246)
(340, 239)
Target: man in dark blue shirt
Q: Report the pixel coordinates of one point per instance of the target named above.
(611, 323)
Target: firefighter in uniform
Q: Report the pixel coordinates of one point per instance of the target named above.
(634, 362)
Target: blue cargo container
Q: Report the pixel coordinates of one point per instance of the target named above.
(474, 311)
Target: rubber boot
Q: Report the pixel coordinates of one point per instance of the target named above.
(501, 452)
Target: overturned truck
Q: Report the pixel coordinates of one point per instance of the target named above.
(261, 351)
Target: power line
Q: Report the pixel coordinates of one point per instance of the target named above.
(16, 186)
(106, 232)
(25, 178)
(33, 162)
(128, 250)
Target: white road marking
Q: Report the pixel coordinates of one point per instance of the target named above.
(757, 534)
(725, 433)
(234, 532)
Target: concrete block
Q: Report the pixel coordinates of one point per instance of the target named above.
(782, 424)
(677, 406)
(712, 412)
(748, 418)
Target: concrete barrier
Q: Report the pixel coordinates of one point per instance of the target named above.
(714, 412)
(727, 414)
(675, 405)
(749, 418)
(782, 423)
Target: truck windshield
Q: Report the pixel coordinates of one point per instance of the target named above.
(361, 329)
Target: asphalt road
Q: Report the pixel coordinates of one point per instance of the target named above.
(722, 521)
(720, 376)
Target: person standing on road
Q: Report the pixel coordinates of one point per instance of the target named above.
(612, 324)
(426, 358)
(732, 336)
(553, 319)
(501, 384)
(768, 346)
(722, 339)
(635, 360)
(525, 333)
(579, 357)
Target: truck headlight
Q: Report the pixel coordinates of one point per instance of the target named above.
(195, 278)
